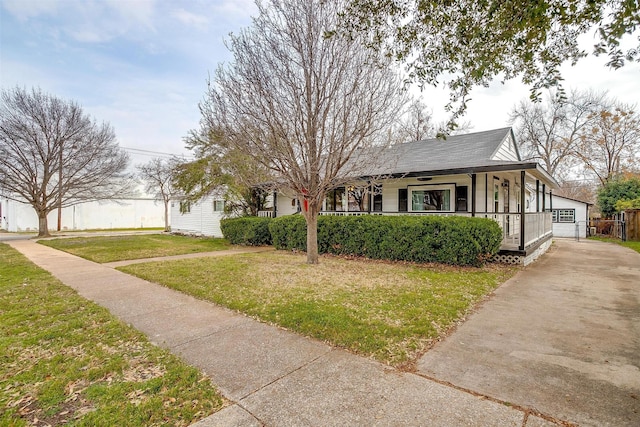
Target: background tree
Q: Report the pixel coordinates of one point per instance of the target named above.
(418, 124)
(306, 106)
(578, 189)
(548, 132)
(468, 42)
(610, 143)
(616, 190)
(157, 176)
(222, 169)
(53, 155)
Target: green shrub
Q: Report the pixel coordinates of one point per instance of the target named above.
(450, 240)
(248, 230)
(289, 232)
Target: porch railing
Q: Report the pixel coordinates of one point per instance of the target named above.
(386, 213)
(266, 214)
(536, 226)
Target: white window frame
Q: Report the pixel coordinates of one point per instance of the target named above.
(435, 187)
(216, 204)
(563, 216)
(185, 207)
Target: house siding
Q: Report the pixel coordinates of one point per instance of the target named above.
(506, 150)
(285, 206)
(571, 229)
(202, 220)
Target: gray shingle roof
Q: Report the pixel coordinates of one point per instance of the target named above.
(459, 151)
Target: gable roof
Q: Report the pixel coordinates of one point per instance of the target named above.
(492, 150)
(557, 196)
(472, 149)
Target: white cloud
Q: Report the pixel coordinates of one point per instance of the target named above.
(191, 19)
(26, 9)
(139, 12)
(236, 8)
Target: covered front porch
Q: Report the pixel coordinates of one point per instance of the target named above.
(513, 195)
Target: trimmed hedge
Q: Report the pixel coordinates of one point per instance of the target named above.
(248, 230)
(450, 240)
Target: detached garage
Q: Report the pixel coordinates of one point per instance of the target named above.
(570, 216)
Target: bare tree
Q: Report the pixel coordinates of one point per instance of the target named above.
(548, 132)
(579, 189)
(610, 143)
(417, 124)
(53, 155)
(307, 106)
(157, 176)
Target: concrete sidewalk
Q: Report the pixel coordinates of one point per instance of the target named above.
(272, 376)
(226, 252)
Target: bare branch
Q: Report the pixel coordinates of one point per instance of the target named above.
(53, 155)
(301, 103)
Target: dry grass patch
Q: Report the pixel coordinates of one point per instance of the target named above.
(390, 311)
(66, 361)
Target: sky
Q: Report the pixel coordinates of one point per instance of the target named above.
(143, 65)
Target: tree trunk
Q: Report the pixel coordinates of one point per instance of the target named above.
(166, 216)
(43, 226)
(312, 233)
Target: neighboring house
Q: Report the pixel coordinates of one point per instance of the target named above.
(122, 213)
(200, 218)
(479, 174)
(570, 217)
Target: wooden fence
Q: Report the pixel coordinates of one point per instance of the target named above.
(632, 217)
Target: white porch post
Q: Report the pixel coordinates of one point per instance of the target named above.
(522, 206)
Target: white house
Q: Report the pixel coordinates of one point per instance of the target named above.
(479, 174)
(570, 217)
(200, 218)
(123, 213)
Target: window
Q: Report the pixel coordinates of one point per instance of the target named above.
(377, 198)
(185, 207)
(461, 198)
(334, 200)
(563, 215)
(403, 200)
(358, 198)
(431, 198)
(218, 205)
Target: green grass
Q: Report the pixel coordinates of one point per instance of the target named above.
(631, 245)
(389, 311)
(66, 361)
(118, 248)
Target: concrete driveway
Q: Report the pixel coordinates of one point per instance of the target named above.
(562, 337)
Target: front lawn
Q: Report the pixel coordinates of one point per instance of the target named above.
(392, 312)
(66, 361)
(117, 248)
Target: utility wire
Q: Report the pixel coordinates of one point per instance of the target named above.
(152, 153)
